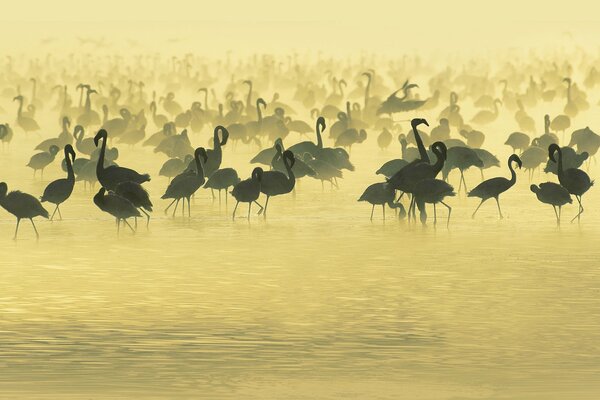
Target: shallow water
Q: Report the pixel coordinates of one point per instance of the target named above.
(314, 302)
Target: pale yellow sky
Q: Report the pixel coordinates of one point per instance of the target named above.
(337, 26)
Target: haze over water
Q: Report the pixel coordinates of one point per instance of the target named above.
(316, 301)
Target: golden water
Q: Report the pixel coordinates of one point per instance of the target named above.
(315, 302)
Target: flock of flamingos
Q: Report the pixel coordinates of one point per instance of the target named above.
(340, 111)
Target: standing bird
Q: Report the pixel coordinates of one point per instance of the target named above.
(380, 194)
(384, 139)
(117, 206)
(58, 191)
(215, 155)
(553, 194)
(184, 185)
(21, 205)
(248, 190)
(275, 183)
(432, 191)
(28, 124)
(43, 159)
(494, 187)
(222, 179)
(111, 176)
(137, 195)
(574, 180)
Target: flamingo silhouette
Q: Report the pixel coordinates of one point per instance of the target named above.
(494, 187)
(574, 180)
(21, 205)
(58, 191)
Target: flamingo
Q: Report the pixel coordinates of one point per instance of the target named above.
(58, 191)
(574, 180)
(21, 205)
(494, 187)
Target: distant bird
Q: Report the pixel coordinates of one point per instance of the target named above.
(184, 185)
(574, 180)
(58, 191)
(432, 191)
(533, 157)
(137, 195)
(174, 166)
(494, 187)
(111, 176)
(461, 158)
(248, 190)
(323, 170)
(380, 194)
(308, 146)
(394, 104)
(518, 141)
(442, 131)
(389, 168)
(474, 138)
(570, 159)
(84, 146)
(222, 179)
(384, 139)
(215, 155)
(586, 141)
(350, 137)
(275, 183)
(21, 205)
(117, 206)
(489, 160)
(485, 117)
(41, 160)
(28, 124)
(553, 194)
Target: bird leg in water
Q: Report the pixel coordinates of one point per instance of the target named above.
(37, 235)
(236, 206)
(383, 208)
(261, 207)
(52, 216)
(578, 216)
(475, 212)
(17, 230)
(434, 215)
(212, 192)
(449, 212)
(499, 210)
(175, 209)
(189, 208)
(167, 209)
(556, 213)
(59, 214)
(264, 212)
(464, 181)
(372, 209)
(147, 217)
(130, 227)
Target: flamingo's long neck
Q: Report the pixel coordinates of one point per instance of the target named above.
(249, 99)
(291, 176)
(199, 169)
(259, 112)
(100, 164)
(560, 163)
(319, 138)
(422, 150)
(70, 173)
(20, 110)
(513, 174)
(367, 89)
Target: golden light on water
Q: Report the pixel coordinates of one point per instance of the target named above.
(316, 301)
